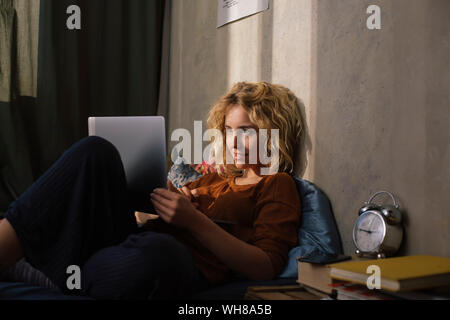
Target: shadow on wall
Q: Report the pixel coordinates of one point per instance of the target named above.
(265, 43)
(305, 144)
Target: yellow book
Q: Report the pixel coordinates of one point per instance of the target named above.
(399, 273)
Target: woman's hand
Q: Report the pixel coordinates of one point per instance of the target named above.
(175, 208)
(191, 194)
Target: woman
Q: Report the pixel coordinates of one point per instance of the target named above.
(77, 213)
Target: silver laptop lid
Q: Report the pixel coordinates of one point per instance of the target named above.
(141, 142)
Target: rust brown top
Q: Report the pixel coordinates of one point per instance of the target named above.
(266, 214)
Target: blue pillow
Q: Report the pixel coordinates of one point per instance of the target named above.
(318, 236)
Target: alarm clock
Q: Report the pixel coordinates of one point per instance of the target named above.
(378, 231)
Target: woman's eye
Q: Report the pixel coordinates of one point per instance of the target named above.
(245, 132)
(249, 132)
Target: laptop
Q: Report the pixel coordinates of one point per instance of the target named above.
(141, 142)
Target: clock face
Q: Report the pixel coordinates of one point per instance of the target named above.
(369, 231)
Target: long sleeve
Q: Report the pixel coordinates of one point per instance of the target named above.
(277, 220)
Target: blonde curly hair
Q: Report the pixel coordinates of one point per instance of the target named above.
(269, 106)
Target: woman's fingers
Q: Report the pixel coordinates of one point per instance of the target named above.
(194, 192)
(169, 195)
(185, 191)
(160, 209)
(167, 201)
(161, 200)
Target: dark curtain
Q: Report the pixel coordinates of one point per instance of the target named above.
(111, 67)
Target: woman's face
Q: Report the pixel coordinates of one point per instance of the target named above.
(237, 118)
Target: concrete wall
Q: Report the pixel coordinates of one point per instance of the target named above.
(376, 103)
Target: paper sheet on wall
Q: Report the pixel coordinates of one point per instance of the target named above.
(232, 10)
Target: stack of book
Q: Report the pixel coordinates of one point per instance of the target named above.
(409, 277)
(314, 277)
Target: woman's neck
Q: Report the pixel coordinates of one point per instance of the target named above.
(251, 173)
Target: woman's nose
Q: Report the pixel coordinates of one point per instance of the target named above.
(236, 136)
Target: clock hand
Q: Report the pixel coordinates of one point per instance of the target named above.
(369, 231)
(371, 222)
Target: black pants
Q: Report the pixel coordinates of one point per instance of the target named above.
(77, 213)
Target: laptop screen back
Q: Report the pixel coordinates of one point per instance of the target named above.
(141, 142)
